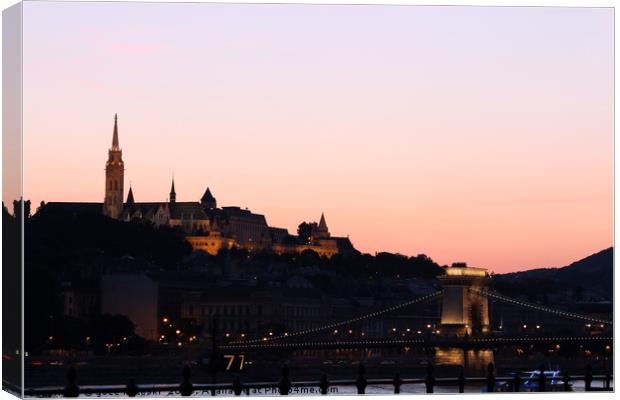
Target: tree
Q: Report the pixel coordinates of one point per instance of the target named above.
(304, 231)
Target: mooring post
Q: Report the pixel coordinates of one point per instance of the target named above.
(430, 379)
(324, 384)
(491, 377)
(72, 389)
(285, 384)
(542, 379)
(361, 379)
(398, 382)
(186, 388)
(588, 378)
(516, 382)
(608, 380)
(461, 382)
(237, 386)
(132, 388)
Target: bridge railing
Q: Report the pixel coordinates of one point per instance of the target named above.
(322, 386)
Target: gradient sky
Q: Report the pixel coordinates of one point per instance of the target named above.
(476, 134)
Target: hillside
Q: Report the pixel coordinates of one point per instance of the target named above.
(589, 279)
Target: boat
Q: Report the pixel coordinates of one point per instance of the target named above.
(530, 381)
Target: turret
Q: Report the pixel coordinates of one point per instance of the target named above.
(321, 231)
(208, 201)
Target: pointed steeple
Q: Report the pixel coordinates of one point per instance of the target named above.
(208, 201)
(115, 135)
(173, 194)
(322, 223)
(321, 231)
(130, 201)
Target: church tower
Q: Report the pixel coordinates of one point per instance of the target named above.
(173, 193)
(114, 178)
(208, 201)
(321, 231)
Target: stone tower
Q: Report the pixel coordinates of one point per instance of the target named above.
(208, 201)
(321, 232)
(463, 308)
(114, 178)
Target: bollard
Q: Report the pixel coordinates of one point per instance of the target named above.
(186, 388)
(132, 389)
(324, 384)
(72, 389)
(516, 382)
(361, 379)
(237, 386)
(461, 382)
(566, 381)
(588, 378)
(397, 383)
(542, 379)
(284, 386)
(430, 379)
(490, 378)
(608, 381)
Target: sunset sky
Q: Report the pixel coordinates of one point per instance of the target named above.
(475, 134)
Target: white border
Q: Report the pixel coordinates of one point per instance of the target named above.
(521, 3)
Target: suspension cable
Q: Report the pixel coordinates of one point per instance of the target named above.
(346, 322)
(497, 296)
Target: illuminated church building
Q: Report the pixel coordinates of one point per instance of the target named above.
(207, 227)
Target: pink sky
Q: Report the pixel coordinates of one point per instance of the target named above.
(472, 134)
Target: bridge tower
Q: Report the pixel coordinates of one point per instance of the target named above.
(464, 310)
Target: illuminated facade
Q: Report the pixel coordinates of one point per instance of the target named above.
(464, 310)
(207, 227)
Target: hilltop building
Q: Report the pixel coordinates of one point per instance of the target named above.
(207, 227)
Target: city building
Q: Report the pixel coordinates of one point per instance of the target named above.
(207, 227)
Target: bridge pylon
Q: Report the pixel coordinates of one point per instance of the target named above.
(464, 311)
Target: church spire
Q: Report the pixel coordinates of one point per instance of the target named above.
(130, 200)
(321, 231)
(207, 200)
(114, 178)
(115, 135)
(173, 194)
(323, 224)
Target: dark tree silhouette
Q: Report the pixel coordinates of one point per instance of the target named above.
(304, 231)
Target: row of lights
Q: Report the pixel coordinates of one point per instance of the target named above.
(349, 321)
(537, 307)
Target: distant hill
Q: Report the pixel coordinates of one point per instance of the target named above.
(590, 278)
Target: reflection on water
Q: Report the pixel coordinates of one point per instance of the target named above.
(473, 361)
